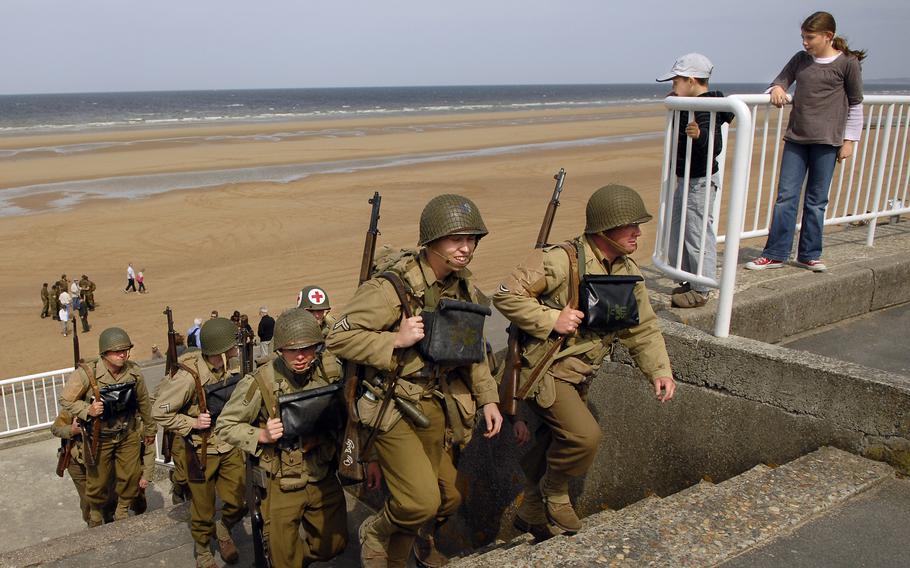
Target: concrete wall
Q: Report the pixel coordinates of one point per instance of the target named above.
(740, 402)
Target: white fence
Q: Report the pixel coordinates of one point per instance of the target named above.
(873, 183)
(30, 402)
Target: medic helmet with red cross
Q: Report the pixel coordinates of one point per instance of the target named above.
(313, 298)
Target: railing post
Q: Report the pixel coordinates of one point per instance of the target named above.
(735, 216)
(880, 175)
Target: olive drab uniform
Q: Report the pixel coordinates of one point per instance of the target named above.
(62, 428)
(119, 444)
(416, 463)
(300, 483)
(45, 302)
(87, 291)
(176, 408)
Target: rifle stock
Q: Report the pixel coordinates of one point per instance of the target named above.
(254, 497)
(350, 468)
(170, 369)
(508, 403)
(64, 454)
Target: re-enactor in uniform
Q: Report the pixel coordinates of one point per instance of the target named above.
(315, 300)
(124, 400)
(298, 471)
(535, 297)
(373, 331)
(177, 408)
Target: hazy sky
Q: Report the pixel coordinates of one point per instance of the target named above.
(130, 45)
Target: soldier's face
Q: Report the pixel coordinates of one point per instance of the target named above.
(299, 360)
(626, 236)
(117, 359)
(456, 249)
(319, 315)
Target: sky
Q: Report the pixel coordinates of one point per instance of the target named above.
(129, 45)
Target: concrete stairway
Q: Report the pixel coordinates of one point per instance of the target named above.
(704, 524)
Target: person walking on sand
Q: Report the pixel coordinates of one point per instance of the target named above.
(130, 278)
(45, 301)
(140, 279)
(825, 123)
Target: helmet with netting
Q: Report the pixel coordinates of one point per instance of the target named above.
(450, 214)
(217, 336)
(113, 339)
(614, 206)
(313, 298)
(295, 329)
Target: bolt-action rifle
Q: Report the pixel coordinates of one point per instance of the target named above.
(350, 468)
(508, 402)
(254, 480)
(170, 369)
(64, 454)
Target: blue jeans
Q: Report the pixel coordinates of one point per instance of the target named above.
(699, 193)
(818, 161)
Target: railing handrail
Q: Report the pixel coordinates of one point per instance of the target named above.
(16, 380)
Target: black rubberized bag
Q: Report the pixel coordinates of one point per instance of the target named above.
(453, 333)
(607, 300)
(118, 399)
(311, 411)
(217, 394)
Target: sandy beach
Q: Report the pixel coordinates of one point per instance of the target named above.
(256, 242)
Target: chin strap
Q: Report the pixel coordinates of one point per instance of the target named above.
(448, 261)
(616, 246)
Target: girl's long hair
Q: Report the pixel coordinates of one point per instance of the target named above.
(824, 22)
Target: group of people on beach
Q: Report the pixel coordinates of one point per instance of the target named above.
(418, 380)
(65, 300)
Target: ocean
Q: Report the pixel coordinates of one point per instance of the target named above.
(68, 112)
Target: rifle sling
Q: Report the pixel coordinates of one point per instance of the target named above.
(200, 395)
(572, 252)
(96, 421)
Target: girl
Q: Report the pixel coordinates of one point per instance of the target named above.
(825, 122)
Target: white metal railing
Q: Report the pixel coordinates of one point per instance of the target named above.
(873, 183)
(737, 191)
(30, 403)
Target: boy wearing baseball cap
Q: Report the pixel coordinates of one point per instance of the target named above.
(690, 74)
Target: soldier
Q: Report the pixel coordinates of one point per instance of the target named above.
(55, 301)
(565, 354)
(87, 289)
(299, 472)
(45, 301)
(374, 331)
(177, 408)
(123, 396)
(314, 300)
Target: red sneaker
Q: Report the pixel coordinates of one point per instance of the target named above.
(762, 263)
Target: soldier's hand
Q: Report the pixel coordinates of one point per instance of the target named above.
(374, 475)
(692, 130)
(568, 321)
(143, 483)
(522, 432)
(203, 421)
(664, 388)
(409, 332)
(493, 419)
(149, 440)
(75, 428)
(272, 432)
(96, 408)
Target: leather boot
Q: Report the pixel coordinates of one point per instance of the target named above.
(555, 489)
(95, 518)
(374, 539)
(226, 546)
(400, 545)
(204, 558)
(531, 516)
(425, 551)
(122, 511)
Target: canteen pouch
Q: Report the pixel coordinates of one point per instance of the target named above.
(453, 333)
(310, 411)
(608, 302)
(217, 395)
(118, 399)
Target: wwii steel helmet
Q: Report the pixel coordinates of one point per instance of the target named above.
(450, 214)
(295, 329)
(614, 206)
(313, 298)
(113, 339)
(217, 336)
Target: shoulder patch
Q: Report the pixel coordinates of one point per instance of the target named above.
(342, 324)
(503, 289)
(165, 407)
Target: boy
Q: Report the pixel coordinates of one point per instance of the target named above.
(690, 76)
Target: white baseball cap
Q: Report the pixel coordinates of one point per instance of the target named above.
(689, 65)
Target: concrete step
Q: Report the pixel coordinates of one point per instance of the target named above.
(706, 524)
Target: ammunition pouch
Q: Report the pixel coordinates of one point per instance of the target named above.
(608, 302)
(312, 411)
(217, 395)
(119, 399)
(453, 333)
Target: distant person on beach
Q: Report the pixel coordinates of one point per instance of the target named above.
(75, 292)
(214, 314)
(80, 307)
(690, 76)
(63, 316)
(55, 301)
(130, 279)
(825, 122)
(265, 330)
(140, 279)
(192, 334)
(66, 301)
(87, 288)
(45, 301)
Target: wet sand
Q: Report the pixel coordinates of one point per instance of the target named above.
(243, 245)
